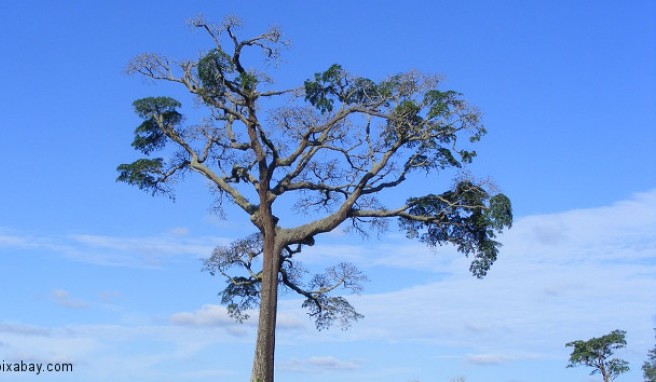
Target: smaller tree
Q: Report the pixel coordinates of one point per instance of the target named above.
(595, 353)
(649, 367)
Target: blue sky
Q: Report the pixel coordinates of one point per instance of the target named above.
(102, 275)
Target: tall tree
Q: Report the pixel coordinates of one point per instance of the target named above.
(595, 353)
(336, 144)
(649, 367)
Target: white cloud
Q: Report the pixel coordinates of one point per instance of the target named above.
(146, 251)
(217, 315)
(143, 350)
(179, 231)
(318, 364)
(23, 330)
(151, 251)
(559, 277)
(63, 298)
(498, 358)
(109, 296)
(43, 344)
(7, 240)
(290, 321)
(207, 315)
(487, 359)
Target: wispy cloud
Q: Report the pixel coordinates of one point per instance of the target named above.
(144, 251)
(207, 315)
(499, 358)
(150, 251)
(109, 296)
(210, 315)
(63, 298)
(23, 330)
(144, 352)
(560, 277)
(179, 231)
(12, 240)
(33, 343)
(487, 359)
(318, 364)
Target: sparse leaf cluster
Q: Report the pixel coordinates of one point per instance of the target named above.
(242, 293)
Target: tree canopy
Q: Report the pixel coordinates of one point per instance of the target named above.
(596, 352)
(338, 142)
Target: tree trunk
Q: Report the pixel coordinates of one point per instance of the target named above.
(263, 364)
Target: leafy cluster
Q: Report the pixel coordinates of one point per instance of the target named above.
(242, 293)
(160, 120)
(336, 85)
(596, 352)
(327, 309)
(467, 217)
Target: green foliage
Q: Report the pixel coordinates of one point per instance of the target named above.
(431, 127)
(247, 82)
(327, 310)
(240, 295)
(649, 367)
(152, 106)
(362, 90)
(212, 70)
(441, 102)
(217, 73)
(159, 114)
(325, 86)
(596, 351)
(426, 122)
(335, 85)
(148, 137)
(141, 173)
(242, 292)
(406, 116)
(160, 117)
(466, 217)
